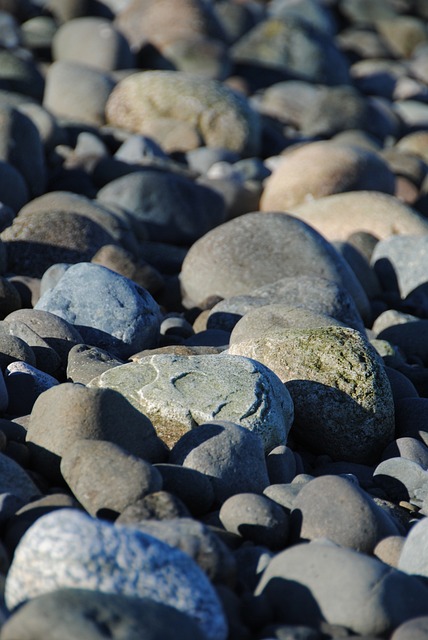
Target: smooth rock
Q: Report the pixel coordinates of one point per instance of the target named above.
(47, 359)
(105, 478)
(334, 508)
(281, 465)
(389, 549)
(24, 384)
(159, 505)
(415, 629)
(86, 362)
(221, 117)
(69, 412)
(120, 560)
(178, 393)
(191, 486)
(401, 479)
(407, 257)
(413, 559)
(118, 315)
(335, 168)
(256, 518)
(16, 481)
(341, 393)
(91, 614)
(230, 456)
(123, 262)
(409, 448)
(314, 581)
(14, 349)
(258, 249)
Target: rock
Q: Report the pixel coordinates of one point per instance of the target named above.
(314, 580)
(415, 629)
(400, 478)
(339, 215)
(77, 92)
(171, 207)
(178, 393)
(14, 349)
(85, 363)
(226, 453)
(92, 614)
(343, 168)
(407, 257)
(193, 487)
(411, 338)
(159, 505)
(47, 359)
(110, 559)
(334, 508)
(256, 518)
(121, 317)
(94, 42)
(123, 262)
(389, 550)
(105, 478)
(24, 384)
(20, 75)
(409, 448)
(16, 481)
(281, 465)
(258, 249)
(221, 117)
(335, 379)
(413, 560)
(13, 188)
(300, 302)
(71, 412)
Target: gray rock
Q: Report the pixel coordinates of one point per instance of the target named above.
(342, 397)
(314, 581)
(258, 249)
(229, 455)
(189, 485)
(109, 310)
(13, 188)
(91, 614)
(407, 256)
(86, 362)
(409, 448)
(413, 559)
(171, 207)
(16, 481)
(47, 359)
(281, 465)
(389, 550)
(334, 508)
(251, 561)
(416, 629)
(284, 493)
(159, 505)
(178, 393)
(198, 541)
(402, 479)
(24, 384)
(120, 560)
(256, 518)
(69, 412)
(13, 349)
(20, 75)
(139, 149)
(105, 478)
(410, 337)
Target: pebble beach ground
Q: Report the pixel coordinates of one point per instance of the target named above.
(213, 319)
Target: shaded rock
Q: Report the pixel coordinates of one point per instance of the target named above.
(13, 348)
(72, 612)
(159, 505)
(178, 393)
(47, 359)
(401, 479)
(321, 169)
(407, 257)
(222, 118)
(226, 453)
(118, 315)
(16, 481)
(105, 478)
(119, 560)
(24, 384)
(13, 188)
(281, 465)
(86, 362)
(335, 379)
(123, 262)
(314, 579)
(20, 75)
(409, 448)
(191, 486)
(70, 412)
(258, 249)
(413, 559)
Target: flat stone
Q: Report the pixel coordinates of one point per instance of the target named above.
(119, 560)
(118, 315)
(178, 393)
(341, 393)
(81, 612)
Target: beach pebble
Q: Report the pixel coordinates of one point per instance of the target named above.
(410, 337)
(228, 454)
(16, 481)
(409, 448)
(191, 486)
(13, 188)
(415, 629)
(171, 207)
(14, 349)
(70, 412)
(86, 362)
(105, 478)
(20, 75)
(359, 523)
(406, 256)
(119, 316)
(94, 42)
(257, 249)
(91, 614)
(413, 559)
(402, 479)
(122, 261)
(281, 465)
(47, 359)
(221, 117)
(24, 384)
(389, 549)
(335, 378)
(344, 168)
(256, 518)
(111, 559)
(178, 393)
(159, 505)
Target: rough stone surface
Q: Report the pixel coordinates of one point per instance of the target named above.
(178, 393)
(120, 560)
(109, 310)
(341, 393)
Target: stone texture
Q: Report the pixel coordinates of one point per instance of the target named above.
(69, 412)
(85, 363)
(110, 311)
(16, 481)
(191, 486)
(314, 581)
(341, 393)
(90, 614)
(222, 118)
(413, 559)
(120, 560)
(105, 478)
(229, 455)
(258, 249)
(178, 393)
(322, 169)
(407, 257)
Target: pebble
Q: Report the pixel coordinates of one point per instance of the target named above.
(118, 560)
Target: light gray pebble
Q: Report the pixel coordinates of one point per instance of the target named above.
(400, 478)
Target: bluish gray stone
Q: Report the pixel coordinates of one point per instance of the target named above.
(414, 558)
(109, 310)
(14, 480)
(402, 479)
(407, 256)
(66, 548)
